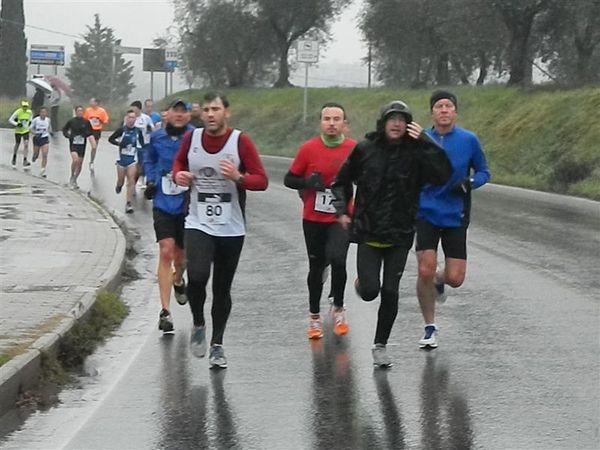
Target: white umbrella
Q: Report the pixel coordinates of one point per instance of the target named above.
(41, 84)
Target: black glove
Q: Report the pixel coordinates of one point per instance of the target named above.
(463, 187)
(19, 125)
(150, 190)
(315, 182)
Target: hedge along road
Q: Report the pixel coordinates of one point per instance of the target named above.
(517, 365)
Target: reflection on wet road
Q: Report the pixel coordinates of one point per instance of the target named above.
(517, 367)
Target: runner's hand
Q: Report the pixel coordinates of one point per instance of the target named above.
(344, 220)
(184, 178)
(414, 130)
(150, 190)
(462, 187)
(315, 182)
(229, 169)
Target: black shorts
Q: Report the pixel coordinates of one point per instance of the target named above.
(97, 134)
(24, 137)
(454, 240)
(79, 149)
(168, 226)
(39, 141)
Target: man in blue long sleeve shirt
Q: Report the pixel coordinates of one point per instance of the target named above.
(444, 211)
(169, 207)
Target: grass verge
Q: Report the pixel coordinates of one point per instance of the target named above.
(107, 313)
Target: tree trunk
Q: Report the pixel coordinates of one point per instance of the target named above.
(442, 74)
(585, 49)
(483, 67)
(460, 71)
(284, 69)
(518, 58)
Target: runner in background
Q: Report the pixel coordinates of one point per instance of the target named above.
(130, 140)
(149, 111)
(312, 172)
(78, 131)
(41, 129)
(21, 120)
(169, 208)
(98, 117)
(196, 120)
(143, 122)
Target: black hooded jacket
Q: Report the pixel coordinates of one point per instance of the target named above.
(389, 178)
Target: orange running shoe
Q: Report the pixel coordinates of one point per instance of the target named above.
(340, 324)
(315, 327)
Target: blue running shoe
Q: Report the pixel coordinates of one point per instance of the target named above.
(430, 339)
(198, 341)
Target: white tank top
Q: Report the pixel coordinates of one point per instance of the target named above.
(214, 201)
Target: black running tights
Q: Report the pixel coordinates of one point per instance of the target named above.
(326, 243)
(223, 253)
(369, 260)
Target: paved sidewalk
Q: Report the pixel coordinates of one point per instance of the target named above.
(57, 249)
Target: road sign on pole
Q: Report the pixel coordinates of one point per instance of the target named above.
(307, 51)
(171, 56)
(131, 50)
(50, 55)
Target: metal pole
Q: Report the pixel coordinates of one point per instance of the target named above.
(112, 75)
(166, 84)
(171, 81)
(369, 82)
(152, 85)
(305, 93)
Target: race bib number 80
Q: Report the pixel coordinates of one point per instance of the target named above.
(214, 209)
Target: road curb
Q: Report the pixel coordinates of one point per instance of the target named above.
(22, 372)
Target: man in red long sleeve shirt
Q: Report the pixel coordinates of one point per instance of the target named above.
(219, 164)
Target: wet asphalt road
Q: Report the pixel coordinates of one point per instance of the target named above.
(518, 363)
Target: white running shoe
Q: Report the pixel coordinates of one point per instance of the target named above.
(216, 357)
(380, 357)
(429, 340)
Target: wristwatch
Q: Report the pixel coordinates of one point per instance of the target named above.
(240, 179)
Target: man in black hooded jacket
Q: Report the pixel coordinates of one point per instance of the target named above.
(389, 168)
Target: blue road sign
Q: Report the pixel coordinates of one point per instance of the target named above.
(53, 55)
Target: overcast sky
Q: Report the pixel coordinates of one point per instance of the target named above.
(137, 22)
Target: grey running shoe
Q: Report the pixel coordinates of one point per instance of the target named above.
(91, 167)
(180, 294)
(26, 163)
(380, 357)
(440, 292)
(128, 208)
(14, 161)
(429, 340)
(165, 322)
(198, 341)
(216, 358)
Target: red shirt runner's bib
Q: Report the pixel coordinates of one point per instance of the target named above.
(315, 156)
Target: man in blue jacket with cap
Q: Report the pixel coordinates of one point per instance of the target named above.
(444, 211)
(169, 207)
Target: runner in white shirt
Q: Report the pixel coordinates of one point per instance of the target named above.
(41, 130)
(144, 123)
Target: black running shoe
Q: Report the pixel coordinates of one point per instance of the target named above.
(165, 322)
(180, 294)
